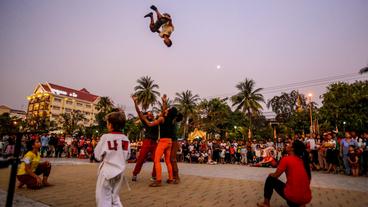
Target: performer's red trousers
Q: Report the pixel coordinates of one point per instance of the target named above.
(148, 145)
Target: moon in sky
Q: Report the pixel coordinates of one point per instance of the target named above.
(218, 66)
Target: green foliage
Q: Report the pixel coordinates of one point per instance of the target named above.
(213, 116)
(286, 105)
(133, 129)
(146, 93)
(248, 99)
(105, 106)
(37, 123)
(186, 103)
(158, 106)
(9, 124)
(70, 122)
(299, 122)
(344, 102)
(91, 131)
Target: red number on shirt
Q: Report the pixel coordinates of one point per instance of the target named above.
(124, 144)
(115, 147)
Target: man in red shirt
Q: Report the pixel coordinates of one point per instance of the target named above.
(297, 190)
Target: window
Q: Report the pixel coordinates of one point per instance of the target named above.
(88, 106)
(42, 105)
(56, 108)
(79, 104)
(68, 110)
(57, 100)
(69, 102)
(36, 106)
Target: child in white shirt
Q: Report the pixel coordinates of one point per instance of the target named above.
(113, 150)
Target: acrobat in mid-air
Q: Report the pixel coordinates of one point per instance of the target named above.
(163, 25)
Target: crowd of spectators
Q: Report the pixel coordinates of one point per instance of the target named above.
(328, 152)
(52, 146)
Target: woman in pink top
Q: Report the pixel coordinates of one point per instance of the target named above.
(296, 191)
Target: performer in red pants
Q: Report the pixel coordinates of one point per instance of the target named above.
(149, 146)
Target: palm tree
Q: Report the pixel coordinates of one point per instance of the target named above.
(70, 121)
(248, 100)
(145, 92)
(105, 104)
(158, 106)
(186, 103)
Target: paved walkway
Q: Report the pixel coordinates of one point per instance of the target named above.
(202, 185)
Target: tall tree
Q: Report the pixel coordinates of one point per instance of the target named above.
(213, 116)
(9, 124)
(71, 121)
(158, 106)
(346, 103)
(104, 106)
(146, 92)
(285, 105)
(39, 123)
(248, 99)
(186, 103)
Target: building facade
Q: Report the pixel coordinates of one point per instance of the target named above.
(50, 100)
(14, 113)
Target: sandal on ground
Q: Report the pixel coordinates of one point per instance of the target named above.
(176, 181)
(155, 184)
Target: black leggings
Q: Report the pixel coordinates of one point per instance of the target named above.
(279, 186)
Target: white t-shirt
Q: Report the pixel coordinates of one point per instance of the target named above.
(113, 150)
(312, 143)
(269, 144)
(191, 148)
(166, 29)
(69, 140)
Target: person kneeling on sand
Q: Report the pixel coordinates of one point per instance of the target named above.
(31, 166)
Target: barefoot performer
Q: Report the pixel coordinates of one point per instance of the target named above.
(164, 23)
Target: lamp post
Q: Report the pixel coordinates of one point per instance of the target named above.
(310, 112)
(235, 129)
(344, 122)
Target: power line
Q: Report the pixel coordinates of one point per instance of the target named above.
(303, 84)
(296, 85)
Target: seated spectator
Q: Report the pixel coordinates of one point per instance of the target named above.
(32, 166)
(194, 155)
(268, 161)
(297, 190)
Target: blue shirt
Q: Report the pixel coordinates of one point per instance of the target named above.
(345, 145)
(44, 141)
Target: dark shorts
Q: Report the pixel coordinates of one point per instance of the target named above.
(157, 25)
(332, 156)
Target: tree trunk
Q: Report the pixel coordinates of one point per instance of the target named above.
(250, 125)
(185, 127)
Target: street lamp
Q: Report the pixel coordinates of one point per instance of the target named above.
(235, 127)
(310, 112)
(344, 122)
